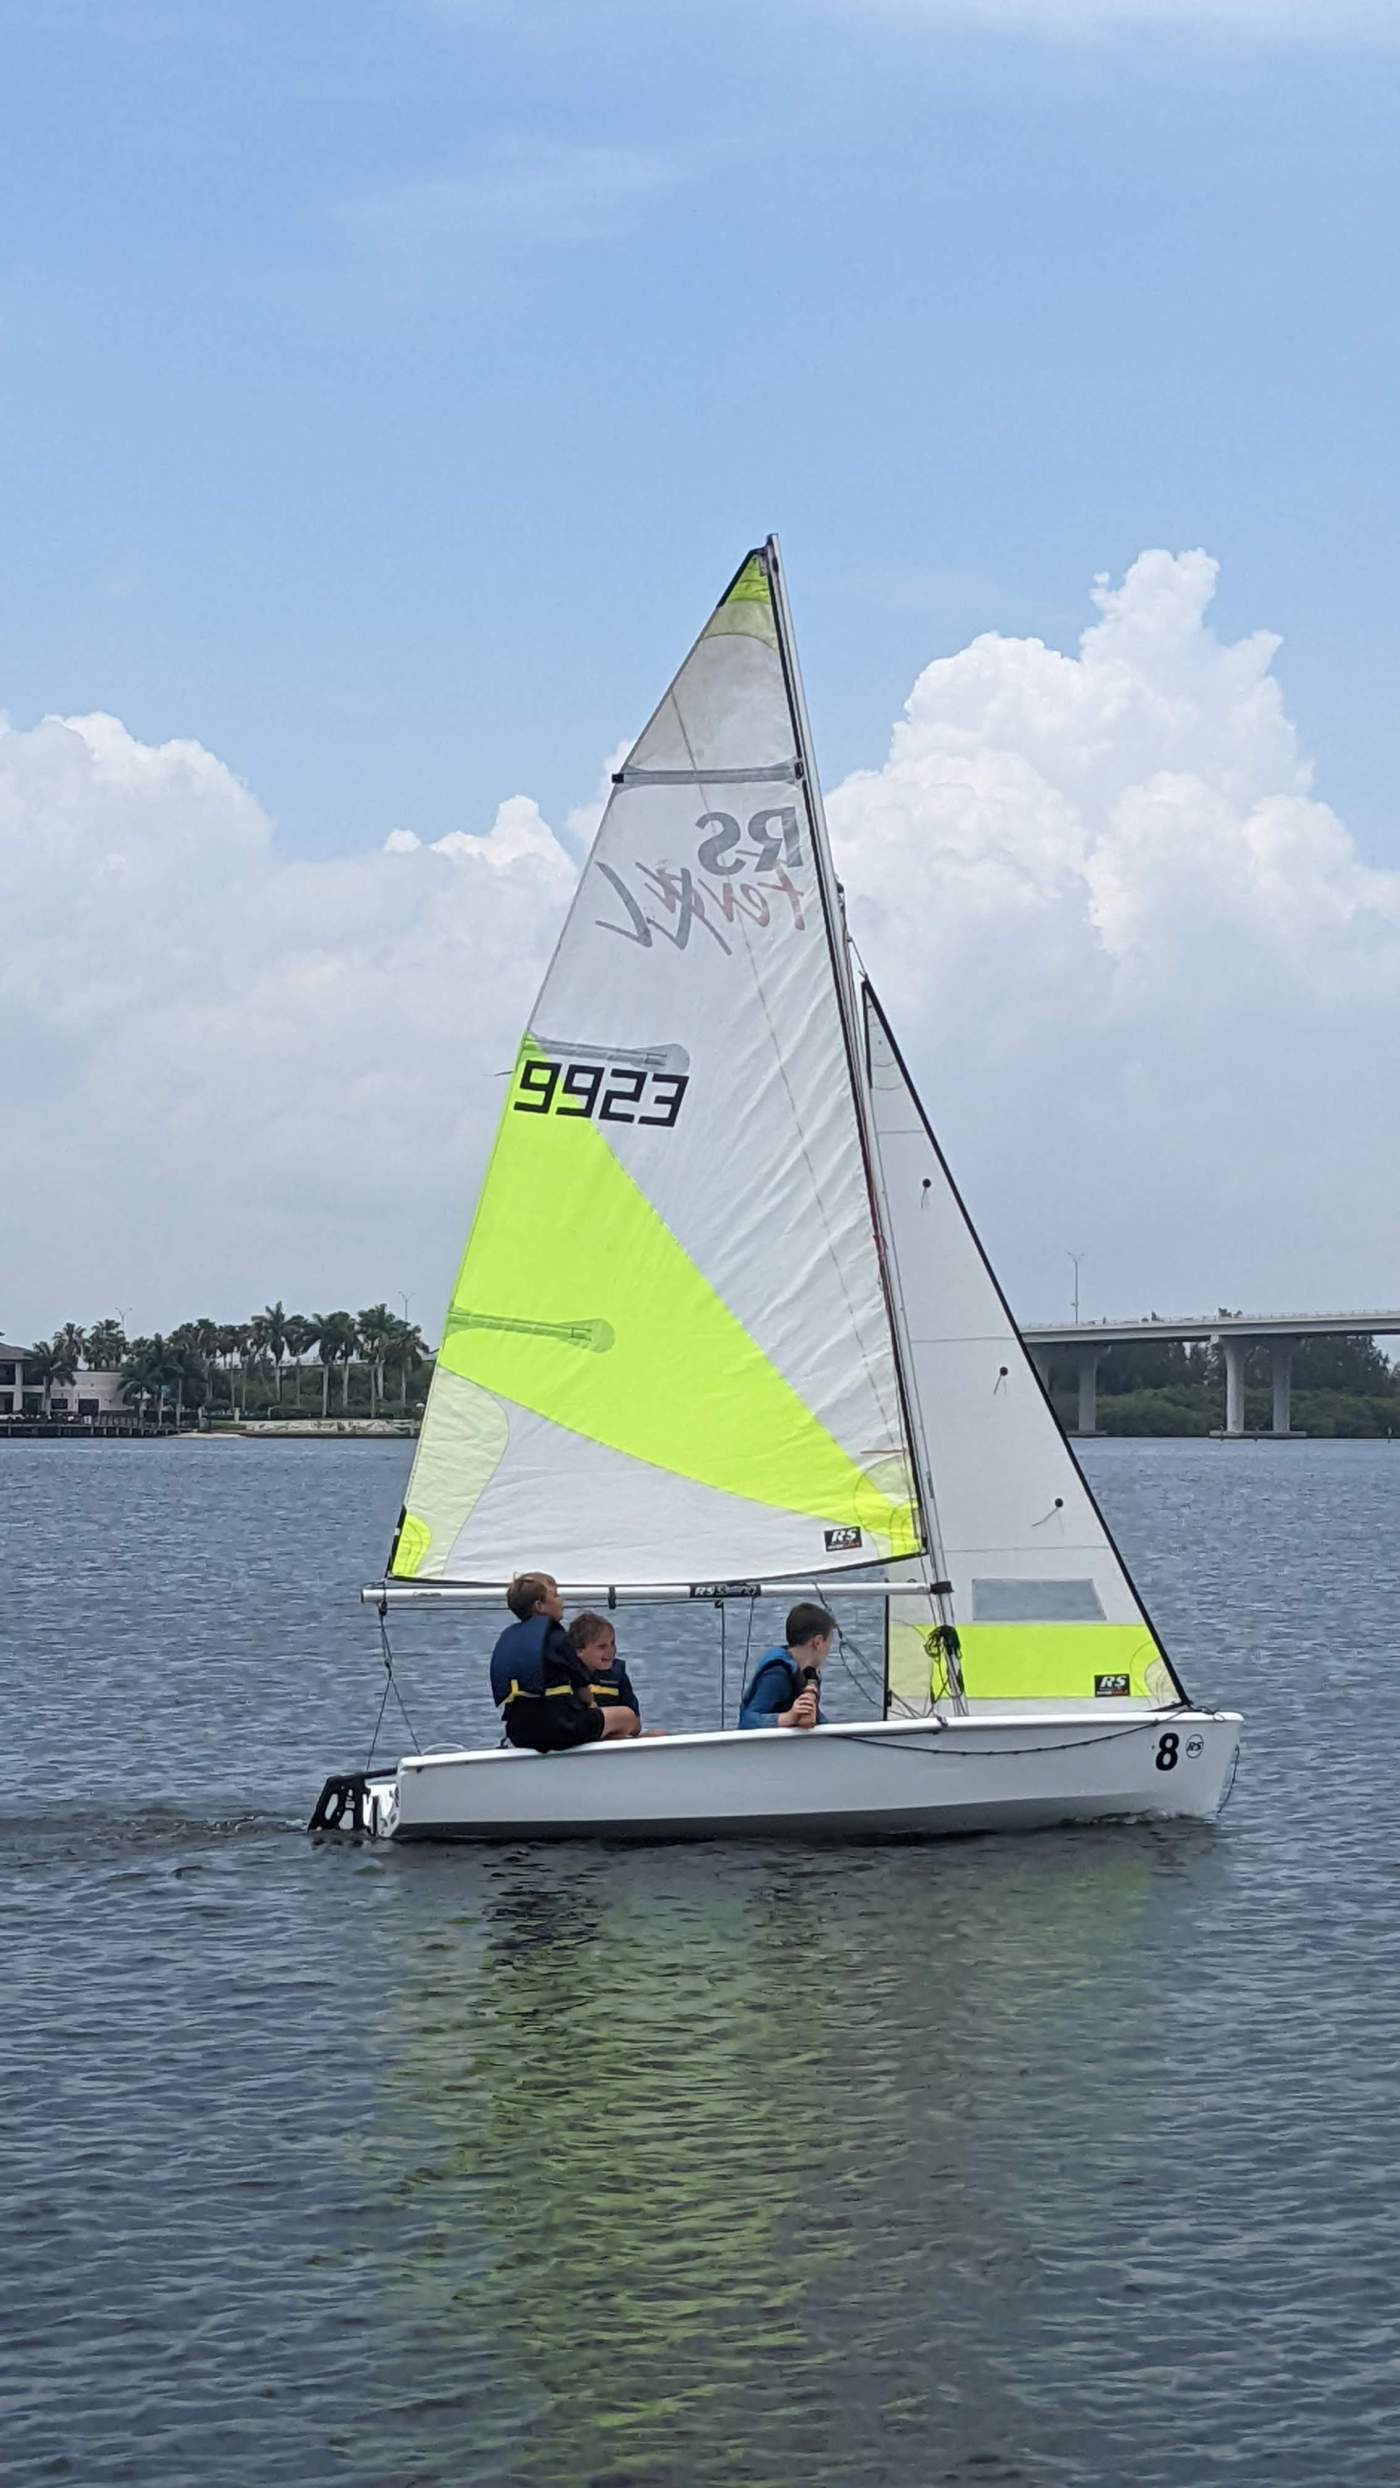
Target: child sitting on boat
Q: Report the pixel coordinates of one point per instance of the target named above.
(784, 1690)
(542, 1686)
(596, 1644)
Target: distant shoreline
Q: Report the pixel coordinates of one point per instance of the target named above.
(294, 1429)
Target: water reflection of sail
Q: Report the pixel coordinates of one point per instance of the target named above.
(703, 2168)
(611, 2098)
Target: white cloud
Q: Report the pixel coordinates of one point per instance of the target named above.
(1316, 19)
(1053, 20)
(229, 1067)
(1155, 990)
(520, 191)
(1151, 989)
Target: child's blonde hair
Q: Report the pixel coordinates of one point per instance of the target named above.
(526, 1591)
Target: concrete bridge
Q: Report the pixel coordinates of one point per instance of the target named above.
(1233, 1333)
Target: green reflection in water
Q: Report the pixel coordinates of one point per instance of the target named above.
(700, 2152)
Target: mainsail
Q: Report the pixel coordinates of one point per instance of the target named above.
(668, 1354)
(1039, 1594)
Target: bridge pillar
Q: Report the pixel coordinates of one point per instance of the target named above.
(1089, 1390)
(1041, 1360)
(1283, 1382)
(1233, 1350)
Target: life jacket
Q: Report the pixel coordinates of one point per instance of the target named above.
(615, 1686)
(521, 1670)
(779, 1658)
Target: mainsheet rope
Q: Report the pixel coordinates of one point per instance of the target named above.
(390, 1686)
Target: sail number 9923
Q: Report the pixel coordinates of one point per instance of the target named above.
(593, 1090)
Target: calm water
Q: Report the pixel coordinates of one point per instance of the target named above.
(1066, 2159)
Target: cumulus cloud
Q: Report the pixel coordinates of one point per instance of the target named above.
(1150, 987)
(1155, 989)
(232, 1068)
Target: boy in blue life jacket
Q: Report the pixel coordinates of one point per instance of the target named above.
(596, 1643)
(784, 1690)
(544, 1690)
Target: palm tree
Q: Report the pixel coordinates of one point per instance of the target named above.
(243, 1345)
(106, 1346)
(48, 1364)
(408, 1347)
(185, 1371)
(142, 1372)
(203, 1335)
(72, 1343)
(227, 1348)
(375, 1330)
(273, 1321)
(301, 1336)
(335, 1338)
(349, 1344)
(189, 1366)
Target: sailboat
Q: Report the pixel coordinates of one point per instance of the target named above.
(723, 1330)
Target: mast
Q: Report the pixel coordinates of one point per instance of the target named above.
(834, 919)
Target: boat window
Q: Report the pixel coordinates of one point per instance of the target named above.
(1036, 1602)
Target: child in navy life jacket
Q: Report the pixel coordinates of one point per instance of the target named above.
(542, 1686)
(784, 1690)
(596, 1643)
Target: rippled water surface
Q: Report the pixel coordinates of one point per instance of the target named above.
(1060, 2159)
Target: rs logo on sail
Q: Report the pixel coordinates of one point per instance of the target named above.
(772, 854)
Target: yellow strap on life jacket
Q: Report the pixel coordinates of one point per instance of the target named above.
(517, 1693)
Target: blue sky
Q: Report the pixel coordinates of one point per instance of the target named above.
(387, 384)
(387, 388)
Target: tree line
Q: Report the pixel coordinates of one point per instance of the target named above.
(204, 1363)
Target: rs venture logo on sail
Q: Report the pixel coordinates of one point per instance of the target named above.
(742, 870)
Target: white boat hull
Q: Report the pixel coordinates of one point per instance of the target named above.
(1002, 1768)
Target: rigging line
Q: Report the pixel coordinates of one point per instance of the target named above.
(862, 1675)
(963, 1753)
(874, 1686)
(390, 1686)
(913, 1383)
(872, 1683)
(374, 1740)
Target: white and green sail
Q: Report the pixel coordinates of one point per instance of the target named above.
(667, 1356)
(1039, 1595)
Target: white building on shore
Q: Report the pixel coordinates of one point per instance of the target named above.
(19, 1397)
(90, 1398)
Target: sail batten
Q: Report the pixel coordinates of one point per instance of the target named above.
(784, 773)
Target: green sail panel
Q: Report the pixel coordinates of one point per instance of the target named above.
(1029, 1662)
(619, 1338)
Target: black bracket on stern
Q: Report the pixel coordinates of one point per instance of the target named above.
(344, 1792)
